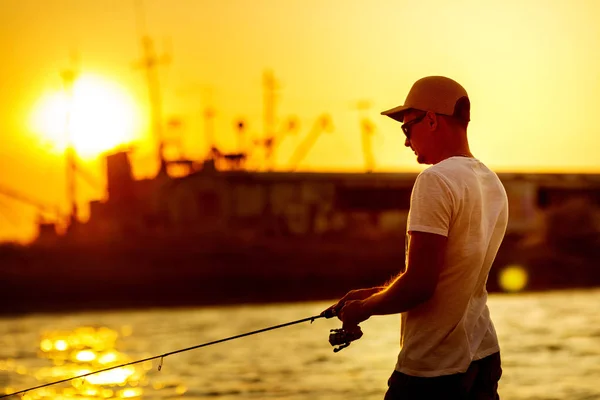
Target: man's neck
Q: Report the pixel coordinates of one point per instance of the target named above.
(458, 152)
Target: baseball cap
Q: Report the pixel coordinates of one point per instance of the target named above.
(432, 93)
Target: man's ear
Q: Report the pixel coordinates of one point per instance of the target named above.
(431, 120)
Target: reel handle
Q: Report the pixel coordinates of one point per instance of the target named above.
(343, 337)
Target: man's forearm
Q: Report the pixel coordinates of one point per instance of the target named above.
(399, 296)
(377, 289)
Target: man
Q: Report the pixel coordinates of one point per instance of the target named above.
(456, 223)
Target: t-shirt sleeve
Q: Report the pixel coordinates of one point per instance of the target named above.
(431, 205)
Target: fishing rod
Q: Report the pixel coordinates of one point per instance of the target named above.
(338, 337)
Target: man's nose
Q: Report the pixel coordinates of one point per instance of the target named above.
(407, 142)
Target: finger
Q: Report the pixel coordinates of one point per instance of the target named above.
(340, 314)
(344, 311)
(348, 327)
(347, 322)
(332, 311)
(329, 313)
(350, 314)
(326, 311)
(338, 306)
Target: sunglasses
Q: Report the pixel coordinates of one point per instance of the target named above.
(406, 127)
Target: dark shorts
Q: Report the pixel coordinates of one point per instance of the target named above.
(479, 382)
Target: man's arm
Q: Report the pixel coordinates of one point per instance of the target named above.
(426, 253)
(357, 294)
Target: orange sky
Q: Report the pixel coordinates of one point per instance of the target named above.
(532, 70)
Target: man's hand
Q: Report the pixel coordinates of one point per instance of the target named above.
(353, 313)
(358, 294)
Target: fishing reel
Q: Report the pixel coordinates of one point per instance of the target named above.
(341, 337)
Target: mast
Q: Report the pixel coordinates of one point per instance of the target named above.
(69, 76)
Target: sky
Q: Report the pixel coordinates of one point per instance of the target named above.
(531, 68)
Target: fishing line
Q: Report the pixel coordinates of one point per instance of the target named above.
(327, 314)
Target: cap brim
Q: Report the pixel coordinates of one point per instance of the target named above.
(397, 113)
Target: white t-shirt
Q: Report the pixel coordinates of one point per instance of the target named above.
(462, 199)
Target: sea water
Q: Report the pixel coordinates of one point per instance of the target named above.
(550, 350)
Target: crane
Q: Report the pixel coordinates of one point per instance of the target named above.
(149, 63)
(367, 129)
(322, 124)
(22, 198)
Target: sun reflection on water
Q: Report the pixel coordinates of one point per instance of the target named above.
(85, 350)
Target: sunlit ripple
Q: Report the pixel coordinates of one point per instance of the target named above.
(82, 351)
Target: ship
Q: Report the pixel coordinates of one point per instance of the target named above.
(218, 235)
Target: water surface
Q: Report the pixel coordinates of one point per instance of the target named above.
(550, 349)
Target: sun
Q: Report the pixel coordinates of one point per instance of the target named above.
(98, 116)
